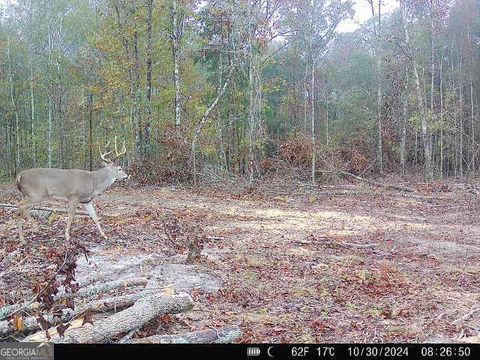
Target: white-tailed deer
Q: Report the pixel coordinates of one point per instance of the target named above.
(76, 186)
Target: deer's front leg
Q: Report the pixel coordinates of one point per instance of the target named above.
(72, 205)
(93, 215)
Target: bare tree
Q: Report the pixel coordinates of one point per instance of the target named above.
(377, 51)
(317, 21)
(427, 142)
(177, 16)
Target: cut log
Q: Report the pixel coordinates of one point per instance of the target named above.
(97, 305)
(10, 309)
(31, 323)
(111, 303)
(124, 321)
(97, 289)
(216, 238)
(122, 301)
(224, 335)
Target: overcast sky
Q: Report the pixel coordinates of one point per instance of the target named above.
(361, 7)
(362, 13)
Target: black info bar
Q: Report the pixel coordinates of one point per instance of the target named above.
(37, 351)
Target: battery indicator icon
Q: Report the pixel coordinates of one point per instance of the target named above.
(253, 351)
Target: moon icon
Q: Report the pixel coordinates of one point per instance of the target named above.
(268, 351)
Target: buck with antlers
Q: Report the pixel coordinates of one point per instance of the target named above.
(76, 186)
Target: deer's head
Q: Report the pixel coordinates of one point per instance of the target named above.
(110, 162)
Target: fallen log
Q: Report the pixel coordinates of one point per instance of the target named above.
(46, 209)
(356, 246)
(224, 335)
(331, 243)
(219, 238)
(124, 321)
(376, 183)
(50, 210)
(466, 316)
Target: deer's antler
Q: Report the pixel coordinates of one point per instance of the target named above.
(123, 151)
(117, 153)
(105, 154)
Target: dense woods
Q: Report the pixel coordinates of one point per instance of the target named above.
(252, 88)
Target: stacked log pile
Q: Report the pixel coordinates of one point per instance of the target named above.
(103, 311)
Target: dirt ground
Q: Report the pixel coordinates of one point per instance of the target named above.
(358, 266)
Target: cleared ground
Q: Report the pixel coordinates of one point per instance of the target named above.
(356, 266)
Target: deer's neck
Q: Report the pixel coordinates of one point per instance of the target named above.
(103, 179)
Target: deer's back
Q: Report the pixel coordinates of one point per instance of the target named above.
(41, 183)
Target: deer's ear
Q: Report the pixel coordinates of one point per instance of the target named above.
(105, 164)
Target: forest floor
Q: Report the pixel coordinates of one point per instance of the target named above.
(358, 266)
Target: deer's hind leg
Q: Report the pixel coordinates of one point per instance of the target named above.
(24, 205)
(72, 205)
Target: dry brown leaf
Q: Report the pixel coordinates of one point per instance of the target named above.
(18, 324)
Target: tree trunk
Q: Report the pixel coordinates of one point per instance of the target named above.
(403, 140)
(472, 113)
(201, 123)
(378, 55)
(60, 121)
(432, 80)
(251, 106)
(176, 38)
(49, 134)
(90, 132)
(327, 120)
(137, 100)
(312, 113)
(32, 121)
(441, 119)
(379, 110)
(149, 76)
(460, 125)
(305, 101)
(14, 108)
(432, 56)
